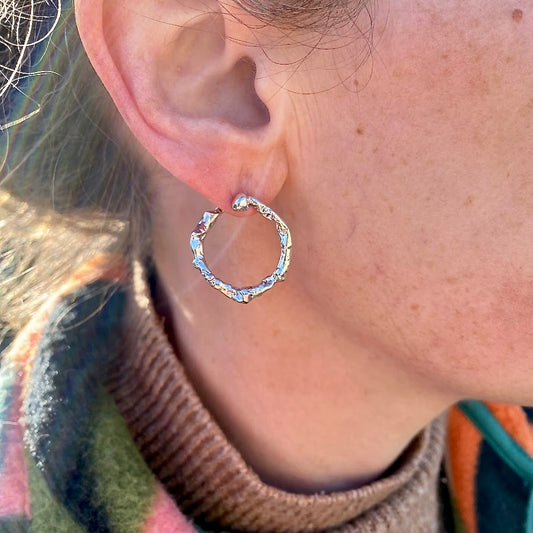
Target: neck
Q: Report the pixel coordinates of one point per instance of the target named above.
(310, 407)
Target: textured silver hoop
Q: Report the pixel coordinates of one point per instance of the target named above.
(246, 294)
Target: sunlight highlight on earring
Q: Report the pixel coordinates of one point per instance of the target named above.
(245, 294)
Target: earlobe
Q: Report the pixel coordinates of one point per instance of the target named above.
(186, 87)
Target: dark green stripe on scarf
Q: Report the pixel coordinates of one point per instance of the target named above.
(83, 334)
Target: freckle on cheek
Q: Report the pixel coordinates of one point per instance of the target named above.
(517, 15)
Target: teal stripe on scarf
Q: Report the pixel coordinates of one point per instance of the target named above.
(16, 524)
(8, 381)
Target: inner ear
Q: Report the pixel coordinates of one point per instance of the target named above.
(234, 97)
(201, 79)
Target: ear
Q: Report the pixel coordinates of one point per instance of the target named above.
(193, 87)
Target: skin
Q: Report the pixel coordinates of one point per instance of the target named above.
(407, 184)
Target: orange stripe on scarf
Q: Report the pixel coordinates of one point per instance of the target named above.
(514, 421)
(464, 441)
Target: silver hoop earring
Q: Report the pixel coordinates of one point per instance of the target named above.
(246, 294)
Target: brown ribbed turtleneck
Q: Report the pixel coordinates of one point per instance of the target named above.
(190, 454)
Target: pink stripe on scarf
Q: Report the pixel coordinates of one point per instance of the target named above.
(165, 517)
(14, 485)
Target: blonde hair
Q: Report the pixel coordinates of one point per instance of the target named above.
(69, 185)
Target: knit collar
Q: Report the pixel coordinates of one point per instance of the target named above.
(187, 450)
